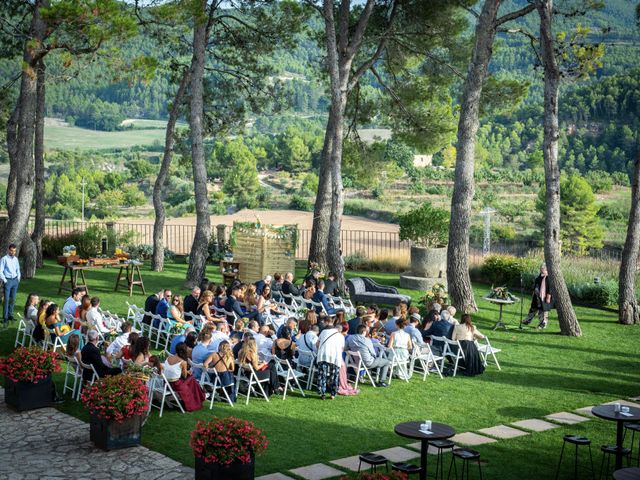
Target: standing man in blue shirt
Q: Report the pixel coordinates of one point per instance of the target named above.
(10, 276)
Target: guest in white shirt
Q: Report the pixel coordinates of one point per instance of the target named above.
(95, 318)
(330, 348)
(72, 303)
(219, 335)
(120, 341)
(264, 340)
(412, 329)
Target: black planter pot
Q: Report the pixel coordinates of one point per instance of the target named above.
(110, 435)
(234, 471)
(23, 396)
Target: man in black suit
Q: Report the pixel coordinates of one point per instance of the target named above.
(354, 323)
(331, 286)
(91, 356)
(233, 305)
(191, 301)
(289, 288)
(150, 305)
(260, 284)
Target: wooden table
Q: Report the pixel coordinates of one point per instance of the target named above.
(607, 412)
(501, 303)
(440, 431)
(76, 278)
(631, 473)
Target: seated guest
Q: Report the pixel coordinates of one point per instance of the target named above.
(448, 315)
(218, 335)
(201, 351)
(264, 342)
(284, 347)
(266, 305)
(71, 304)
(238, 330)
(73, 348)
(162, 308)
(219, 297)
(373, 309)
(467, 333)
(307, 337)
(125, 351)
(38, 331)
(308, 290)
(439, 328)
(331, 285)
(289, 288)
(435, 310)
(223, 363)
(56, 328)
(176, 310)
(191, 301)
(120, 341)
(390, 325)
(291, 323)
(81, 322)
(312, 277)
(139, 351)
(150, 305)
(364, 346)
(179, 339)
(323, 298)
(191, 341)
(91, 356)
(95, 318)
(212, 286)
(206, 298)
(248, 355)
(31, 308)
(412, 329)
(355, 322)
(278, 280)
(176, 370)
(232, 304)
(260, 284)
(400, 342)
(204, 284)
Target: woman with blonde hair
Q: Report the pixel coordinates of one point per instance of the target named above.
(248, 355)
(466, 333)
(206, 298)
(223, 363)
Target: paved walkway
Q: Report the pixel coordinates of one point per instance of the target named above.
(46, 444)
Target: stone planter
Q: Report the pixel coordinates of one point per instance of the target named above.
(233, 471)
(111, 435)
(428, 266)
(22, 396)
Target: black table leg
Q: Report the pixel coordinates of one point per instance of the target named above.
(424, 449)
(619, 445)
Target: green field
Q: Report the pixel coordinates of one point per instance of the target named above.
(69, 138)
(542, 373)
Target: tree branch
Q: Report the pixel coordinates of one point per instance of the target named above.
(515, 14)
(532, 38)
(361, 27)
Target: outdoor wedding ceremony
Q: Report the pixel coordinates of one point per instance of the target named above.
(319, 240)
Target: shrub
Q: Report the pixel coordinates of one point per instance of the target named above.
(227, 440)
(116, 397)
(89, 242)
(395, 262)
(298, 202)
(29, 364)
(505, 269)
(426, 226)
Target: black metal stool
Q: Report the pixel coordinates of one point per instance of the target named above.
(466, 454)
(634, 427)
(630, 473)
(607, 452)
(441, 445)
(576, 440)
(408, 468)
(373, 459)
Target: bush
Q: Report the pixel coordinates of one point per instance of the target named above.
(505, 269)
(144, 251)
(620, 178)
(88, 243)
(601, 294)
(426, 226)
(392, 263)
(298, 202)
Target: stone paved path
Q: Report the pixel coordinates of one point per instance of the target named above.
(46, 444)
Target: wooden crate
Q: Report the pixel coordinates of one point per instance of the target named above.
(104, 261)
(263, 249)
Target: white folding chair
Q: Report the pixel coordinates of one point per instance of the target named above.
(452, 350)
(163, 393)
(68, 319)
(306, 364)
(423, 356)
(320, 306)
(74, 372)
(485, 349)
(246, 374)
(286, 371)
(216, 386)
(397, 364)
(344, 304)
(354, 361)
(94, 376)
(135, 315)
(22, 333)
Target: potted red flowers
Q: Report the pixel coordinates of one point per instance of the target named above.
(225, 449)
(117, 405)
(27, 373)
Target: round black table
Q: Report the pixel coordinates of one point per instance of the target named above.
(607, 412)
(631, 473)
(440, 431)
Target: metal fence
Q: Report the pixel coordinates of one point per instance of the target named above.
(369, 244)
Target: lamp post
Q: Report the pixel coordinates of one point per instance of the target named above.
(83, 183)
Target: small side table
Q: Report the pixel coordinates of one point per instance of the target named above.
(439, 431)
(501, 303)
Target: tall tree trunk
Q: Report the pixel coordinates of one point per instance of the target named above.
(458, 280)
(157, 260)
(628, 312)
(12, 146)
(38, 230)
(566, 315)
(22, 159)
(199, 249)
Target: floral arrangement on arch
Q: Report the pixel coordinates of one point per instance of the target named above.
(436, 294)
(116, 398)
(29, 364)
(502, 293)
(227, 440)
(393, 475)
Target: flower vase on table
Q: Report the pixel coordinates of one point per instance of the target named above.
(118, 405)
(225, 449)
(27, 373)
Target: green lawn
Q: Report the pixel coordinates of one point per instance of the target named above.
(542, 373)
(68, 138)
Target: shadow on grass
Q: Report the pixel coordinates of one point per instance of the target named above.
(522, 412)
(627, 355)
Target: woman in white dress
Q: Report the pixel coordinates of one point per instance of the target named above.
(400, 342)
